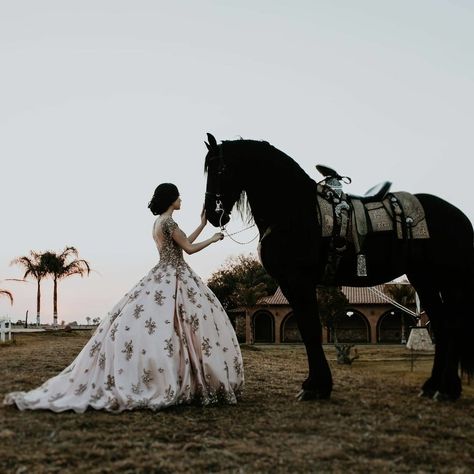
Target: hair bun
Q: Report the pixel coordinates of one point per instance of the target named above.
(165, 195)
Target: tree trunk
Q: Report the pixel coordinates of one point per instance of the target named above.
(38, 301)
(55, 303)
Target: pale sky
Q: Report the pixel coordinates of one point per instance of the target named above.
(103, 100)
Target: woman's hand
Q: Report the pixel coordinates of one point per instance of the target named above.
(218, 236)
(203, 217)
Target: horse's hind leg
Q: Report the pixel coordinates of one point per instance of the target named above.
(432, 303)
(300, 291)
(454, 300)
(444, 383)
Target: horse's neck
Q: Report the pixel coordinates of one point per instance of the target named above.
(277, 202)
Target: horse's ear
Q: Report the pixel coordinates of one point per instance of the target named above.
(207, 146)
(212, 140)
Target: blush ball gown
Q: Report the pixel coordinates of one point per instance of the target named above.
(168, 341)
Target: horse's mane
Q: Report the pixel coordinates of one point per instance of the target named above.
(277, 164)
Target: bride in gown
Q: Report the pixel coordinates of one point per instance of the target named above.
(168, 341)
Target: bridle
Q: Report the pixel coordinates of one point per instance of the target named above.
(218, 196)
(218, 193)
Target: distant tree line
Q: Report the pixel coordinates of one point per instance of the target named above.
(242, 281)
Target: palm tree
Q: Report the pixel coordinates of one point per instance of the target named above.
(7, 294)
(34, 267)
(60, 266)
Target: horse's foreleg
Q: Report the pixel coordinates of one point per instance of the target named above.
(301, 295)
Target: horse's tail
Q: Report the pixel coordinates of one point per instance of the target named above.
(467, 335)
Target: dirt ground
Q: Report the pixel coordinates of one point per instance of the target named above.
(373, 423)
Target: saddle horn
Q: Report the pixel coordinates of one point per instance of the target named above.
(328, 172)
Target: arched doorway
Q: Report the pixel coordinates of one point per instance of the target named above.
(263, 327)
(393, 327)
(350, 326)
(289, 329)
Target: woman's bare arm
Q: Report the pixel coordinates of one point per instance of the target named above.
(184, 242)
(192, 237)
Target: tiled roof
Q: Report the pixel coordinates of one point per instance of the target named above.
(355, 295)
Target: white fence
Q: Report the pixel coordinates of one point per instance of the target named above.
(5, 328)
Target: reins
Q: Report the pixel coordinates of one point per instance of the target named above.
(220, 209)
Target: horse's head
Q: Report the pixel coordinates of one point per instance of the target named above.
(222, 189)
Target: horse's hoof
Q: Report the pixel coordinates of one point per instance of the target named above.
(426, 393)
(444, 397)
(305, 394)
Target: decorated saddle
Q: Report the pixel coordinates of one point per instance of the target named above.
(349, 219)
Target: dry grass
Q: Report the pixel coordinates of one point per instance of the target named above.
(373, 423)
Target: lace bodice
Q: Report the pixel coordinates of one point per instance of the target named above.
(170, 251)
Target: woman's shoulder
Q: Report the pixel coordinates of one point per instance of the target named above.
(167, 224)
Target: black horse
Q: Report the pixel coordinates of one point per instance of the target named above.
(266, 184)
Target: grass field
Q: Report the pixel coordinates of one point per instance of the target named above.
(373, 423)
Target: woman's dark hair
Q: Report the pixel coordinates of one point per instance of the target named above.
(165, 195)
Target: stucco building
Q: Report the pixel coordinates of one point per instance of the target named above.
(368, 318)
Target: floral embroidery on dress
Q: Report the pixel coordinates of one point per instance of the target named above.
(192, 295)
(206, 346)
(98, 395)
(158, 277)
(159, 297)
(113, 404)
(134, 295)
(138, 310)
(102, 360)
(169, 347)
(136, 388)
(56, 397)
(95, 348)
(110, 382)
(114, 316)
(150, 325)
(181, 312)
(146, 377)
(194, 322)
(81, 389)
(169, 394)
(113, 331)
(210, 298)
(128, 350)
(237, 366)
